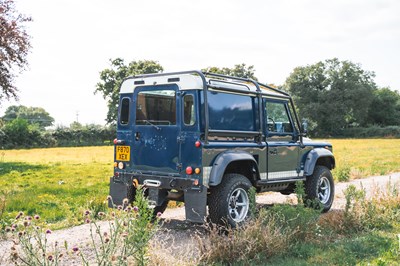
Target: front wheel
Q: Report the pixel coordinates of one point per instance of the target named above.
(320, 187)
(229, 202)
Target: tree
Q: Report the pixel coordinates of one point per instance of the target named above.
(385, 108)
(333, 94)
(240, 70)
(112, 78)
(14, 47)
(33, 115)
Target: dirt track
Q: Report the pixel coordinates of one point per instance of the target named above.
(177, 236)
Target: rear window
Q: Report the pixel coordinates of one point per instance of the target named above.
(157, 107)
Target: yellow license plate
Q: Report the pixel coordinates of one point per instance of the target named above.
(123, 153)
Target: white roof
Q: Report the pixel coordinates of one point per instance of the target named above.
(192, 81)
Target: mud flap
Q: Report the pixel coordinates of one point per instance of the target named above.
(118, 192)
(195, 205)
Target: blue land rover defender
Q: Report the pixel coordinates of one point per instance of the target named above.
(206, 139)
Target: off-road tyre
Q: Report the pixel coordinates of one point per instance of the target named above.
(320, 188)
(229, 195)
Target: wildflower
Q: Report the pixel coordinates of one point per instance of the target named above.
(87, 220)
(113, 214)
(48, 231)
(101, 214)
(75, 249)
(87, 212)
(128, 209)
(28, 218)
(135, 208)
(119, 207)
(159, 214)
(105, 234)
(50, 257)
(20, 234)
(8, 229)
(26, 223)
(106, 240)
(125, 201)
(36, 217)
(109, 197)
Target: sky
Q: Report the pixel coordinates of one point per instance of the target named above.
(74, 40)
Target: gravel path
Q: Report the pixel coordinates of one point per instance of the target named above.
(177, 238)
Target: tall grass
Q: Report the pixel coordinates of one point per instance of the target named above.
(296, 235)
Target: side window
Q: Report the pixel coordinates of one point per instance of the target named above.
(189, 117)
(230, 111)
(278, 120)
(124, 115)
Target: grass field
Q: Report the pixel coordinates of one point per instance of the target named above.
(59, 183)
(366, 157)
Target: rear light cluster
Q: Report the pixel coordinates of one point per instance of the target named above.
(189, 170)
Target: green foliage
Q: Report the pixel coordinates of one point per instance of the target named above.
(253, 204)
(333, 94)
(240, 70)
(31, 245)
(33, 115)
(128, 233)
(83, 135)
(14, 47)
(371, 132)
(362, 214)
(111, 79)
(385, 108)
(342, 173)
(20, 134)
(126, 236)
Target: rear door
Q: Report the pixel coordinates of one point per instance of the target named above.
(156, 129)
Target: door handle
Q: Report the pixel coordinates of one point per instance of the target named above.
(273, 151)
(137, 136)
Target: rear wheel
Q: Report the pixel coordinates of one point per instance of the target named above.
(320, 187)
(229, 202)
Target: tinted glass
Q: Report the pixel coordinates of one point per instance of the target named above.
(156, 108)
(124, 116)
(229, 111)
(188, 110)
(277, 118)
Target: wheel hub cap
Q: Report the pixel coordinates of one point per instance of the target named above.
(324, 190)
(238, 206)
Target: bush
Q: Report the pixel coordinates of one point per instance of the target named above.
(381, 211)
(371, 132)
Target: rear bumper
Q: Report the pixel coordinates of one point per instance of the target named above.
(195, 197)
(156, 181)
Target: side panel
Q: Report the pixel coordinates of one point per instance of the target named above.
(217, 155)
